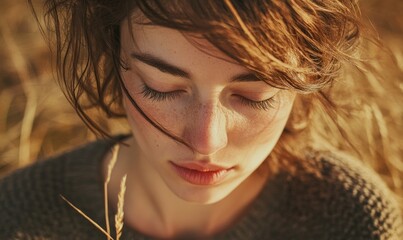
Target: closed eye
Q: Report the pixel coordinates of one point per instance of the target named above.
(158, 96)
(155, 95)
(266, 104)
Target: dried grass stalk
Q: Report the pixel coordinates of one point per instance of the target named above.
(111, 165)
(120, 213)
(86, 217)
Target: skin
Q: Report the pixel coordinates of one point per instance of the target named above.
(210, 116)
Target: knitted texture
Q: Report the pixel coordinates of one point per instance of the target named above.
(348, 201)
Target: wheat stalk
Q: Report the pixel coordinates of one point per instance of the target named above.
(111, 165)
(86, 217)
(120, 213)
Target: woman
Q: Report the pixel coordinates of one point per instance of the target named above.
(221, 98)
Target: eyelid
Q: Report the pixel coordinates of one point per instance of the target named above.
(254, 100)
(266, 104)
(258, 92)
(257, 95)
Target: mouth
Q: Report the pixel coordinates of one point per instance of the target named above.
(205, 174)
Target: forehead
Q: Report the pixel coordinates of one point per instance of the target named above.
(182, 49)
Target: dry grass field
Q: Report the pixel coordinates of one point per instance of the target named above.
(36, 120)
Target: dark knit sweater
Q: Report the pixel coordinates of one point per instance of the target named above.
(350, 202)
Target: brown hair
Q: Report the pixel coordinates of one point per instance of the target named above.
(301, 45)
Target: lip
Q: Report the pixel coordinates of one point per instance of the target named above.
(201, 174)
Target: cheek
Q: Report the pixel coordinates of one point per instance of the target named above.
(265, 127)
(142, 130)
(146, 134)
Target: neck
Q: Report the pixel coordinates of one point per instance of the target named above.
(153, 209)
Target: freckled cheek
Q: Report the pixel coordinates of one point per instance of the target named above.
(168, 118)
(141, 128)
(263, 128)
(248, 132)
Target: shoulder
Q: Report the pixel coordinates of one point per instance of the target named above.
(346, 197)
(30, 202)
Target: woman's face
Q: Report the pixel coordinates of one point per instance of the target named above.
(230, 119)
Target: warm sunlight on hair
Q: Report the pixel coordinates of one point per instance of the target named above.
(202, 119)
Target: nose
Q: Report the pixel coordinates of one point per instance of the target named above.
(206, 131)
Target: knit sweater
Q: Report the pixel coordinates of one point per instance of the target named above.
(349, 202)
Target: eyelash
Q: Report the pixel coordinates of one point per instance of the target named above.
(154, 95)
(265, 105)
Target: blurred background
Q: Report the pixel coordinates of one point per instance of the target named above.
(36, 121)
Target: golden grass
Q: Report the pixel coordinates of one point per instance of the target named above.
(119, 221)
(31, 123)
(111, 165)
(120, 213)
(36, 120)
(86, 217)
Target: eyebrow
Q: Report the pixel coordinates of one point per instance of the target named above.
(166, 67)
